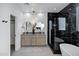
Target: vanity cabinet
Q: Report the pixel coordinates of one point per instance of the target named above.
(41, 40)
(33, 39)
(25, 40)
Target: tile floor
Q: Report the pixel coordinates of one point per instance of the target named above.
(35, 51)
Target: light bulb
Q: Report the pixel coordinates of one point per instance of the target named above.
(28, 14)
(40, 14)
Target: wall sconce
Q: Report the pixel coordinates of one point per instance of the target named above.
(4, 21)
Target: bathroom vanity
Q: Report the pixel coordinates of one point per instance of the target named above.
(30, 39)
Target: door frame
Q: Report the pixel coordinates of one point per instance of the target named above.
(14, 31)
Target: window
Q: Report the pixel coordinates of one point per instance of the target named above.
(62, 23)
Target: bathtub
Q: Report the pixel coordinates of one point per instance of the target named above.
(69, 50)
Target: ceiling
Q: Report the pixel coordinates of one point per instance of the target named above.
(41, 7)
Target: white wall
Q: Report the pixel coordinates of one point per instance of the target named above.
(4, 31)
(14, 10)
(5, 11)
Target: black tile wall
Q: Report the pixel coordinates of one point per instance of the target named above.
(70, 35)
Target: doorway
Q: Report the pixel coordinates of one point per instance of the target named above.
(12, 34)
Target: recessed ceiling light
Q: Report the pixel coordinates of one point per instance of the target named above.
(28, 14)
(26, 3)
(70, 9)
(40, 14)
(54, 9)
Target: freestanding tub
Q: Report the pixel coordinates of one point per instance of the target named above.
(69, 50)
